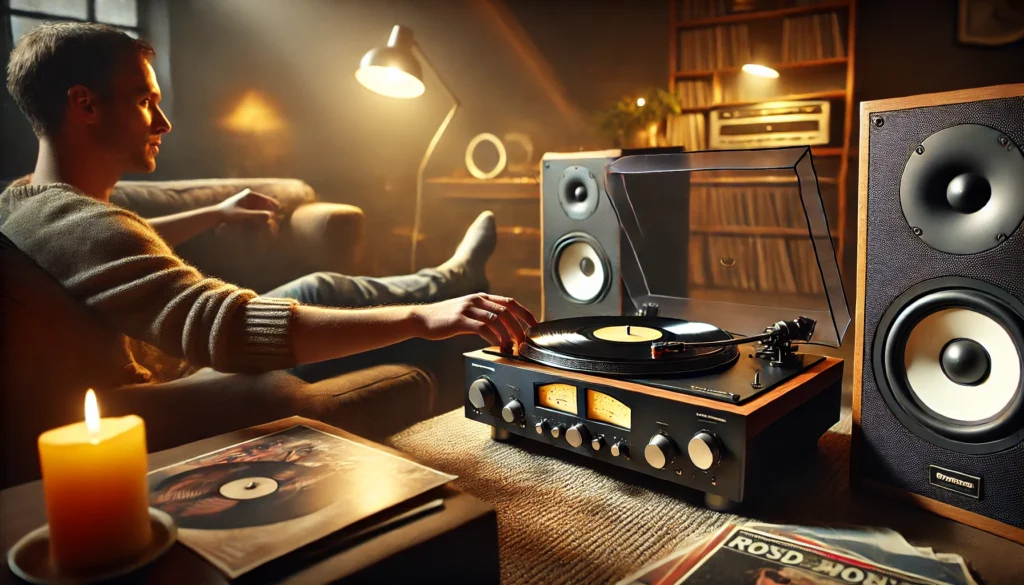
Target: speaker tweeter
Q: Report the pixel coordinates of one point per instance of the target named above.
(961, 189)
(578, 192)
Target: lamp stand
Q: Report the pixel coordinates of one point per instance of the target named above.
(418, 210)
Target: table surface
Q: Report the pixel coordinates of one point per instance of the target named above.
(562, 519)
(22, 509)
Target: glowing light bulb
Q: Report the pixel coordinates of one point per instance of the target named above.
(760, 70)
(92, 413)
(640, 102)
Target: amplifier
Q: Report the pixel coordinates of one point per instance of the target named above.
(770, 125)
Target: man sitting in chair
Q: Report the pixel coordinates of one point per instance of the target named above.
(94, 103)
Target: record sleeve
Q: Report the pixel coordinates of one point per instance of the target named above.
(245, 505)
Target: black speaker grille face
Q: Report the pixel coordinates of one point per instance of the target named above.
(896, 260)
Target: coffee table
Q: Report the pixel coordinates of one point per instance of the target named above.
(456, 544)
(568, 519)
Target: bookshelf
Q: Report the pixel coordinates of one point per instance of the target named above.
(810, 44)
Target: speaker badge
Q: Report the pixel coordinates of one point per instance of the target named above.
(954, 481)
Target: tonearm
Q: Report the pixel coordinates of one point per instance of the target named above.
(775, 344)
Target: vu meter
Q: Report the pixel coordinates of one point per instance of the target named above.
(557, 396)
(603, 408)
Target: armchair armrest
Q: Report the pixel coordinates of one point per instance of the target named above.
(328, 236)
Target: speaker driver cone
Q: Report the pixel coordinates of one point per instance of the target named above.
(578, 193)
(580, 268)
(949, 362)
(961, 189)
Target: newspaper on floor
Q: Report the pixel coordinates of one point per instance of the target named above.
(769, 554)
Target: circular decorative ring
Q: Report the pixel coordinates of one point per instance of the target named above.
(502, 156)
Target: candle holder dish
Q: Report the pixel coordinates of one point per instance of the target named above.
(29, 559)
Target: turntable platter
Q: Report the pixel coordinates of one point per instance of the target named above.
(622, 345)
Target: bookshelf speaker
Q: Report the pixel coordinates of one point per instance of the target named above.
(580, 231)
(938, 404)
(580, 262)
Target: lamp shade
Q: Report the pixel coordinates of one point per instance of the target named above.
(392, 70)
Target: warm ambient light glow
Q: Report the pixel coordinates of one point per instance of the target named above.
(390, 81)
(254, 114)
(92, 413)
(760, 70)
(640, 102)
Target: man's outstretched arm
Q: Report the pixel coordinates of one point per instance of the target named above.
(244, 206)
(319, 333)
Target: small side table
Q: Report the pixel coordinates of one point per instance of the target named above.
(456, 544)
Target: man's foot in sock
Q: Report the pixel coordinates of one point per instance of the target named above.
(467, 268)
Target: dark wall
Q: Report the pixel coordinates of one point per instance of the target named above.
(910, 47)
(348, 141)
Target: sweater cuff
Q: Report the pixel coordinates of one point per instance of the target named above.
(266, 341)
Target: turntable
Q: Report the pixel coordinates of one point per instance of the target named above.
(705, 381)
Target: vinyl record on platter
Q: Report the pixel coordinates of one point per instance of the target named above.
(622, 345)
(242, 494)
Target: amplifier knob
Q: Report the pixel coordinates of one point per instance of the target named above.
(541, 427)
(704, 451)
(596, 443)
(660, 451)
(482, 393)
(512, 412)
(577, 435)
(556, 431)
(620, 448)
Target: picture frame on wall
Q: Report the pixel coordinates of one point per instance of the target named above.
(990, 23)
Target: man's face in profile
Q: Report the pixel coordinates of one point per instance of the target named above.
(131, 121)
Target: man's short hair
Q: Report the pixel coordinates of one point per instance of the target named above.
(53, 58)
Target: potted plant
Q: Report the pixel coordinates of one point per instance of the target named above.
(636, 121)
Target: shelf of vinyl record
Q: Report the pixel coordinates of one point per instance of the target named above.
(702, 13)
(799, 39)
(762, 229)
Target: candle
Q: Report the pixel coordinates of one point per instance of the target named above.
(96, 491)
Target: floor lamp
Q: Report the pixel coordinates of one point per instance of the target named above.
(394, 71)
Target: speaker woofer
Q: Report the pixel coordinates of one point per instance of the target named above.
(578, 193)
(580, 268)
(961, 190)
(949, 361)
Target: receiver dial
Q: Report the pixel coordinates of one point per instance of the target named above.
(577, 435)
(482, 393)
(704, 450)
(660, 451)
(512, 412)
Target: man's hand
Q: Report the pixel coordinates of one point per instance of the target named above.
(248, 206)
(500, 320)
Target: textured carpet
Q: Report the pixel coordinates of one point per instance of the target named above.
(560, 521)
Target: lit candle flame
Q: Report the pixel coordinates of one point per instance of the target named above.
(92, 413)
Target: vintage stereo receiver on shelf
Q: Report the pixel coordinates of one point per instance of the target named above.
(704, 385)
(770, 125)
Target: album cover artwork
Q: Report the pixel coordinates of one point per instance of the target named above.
(245, 505)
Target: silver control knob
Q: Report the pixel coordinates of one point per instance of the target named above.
(620, 448)
(577, 435)
(541, 427)
(660, 451)
(482, 393)
(596, 443)
(512, 412)
(556, 431)
(704, 450)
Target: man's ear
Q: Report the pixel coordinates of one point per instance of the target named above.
(82, 104)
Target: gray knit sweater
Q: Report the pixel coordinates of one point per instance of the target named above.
(115, 263)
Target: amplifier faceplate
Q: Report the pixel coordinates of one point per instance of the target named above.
(723, 436)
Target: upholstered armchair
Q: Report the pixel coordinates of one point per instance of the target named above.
(314, 235)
